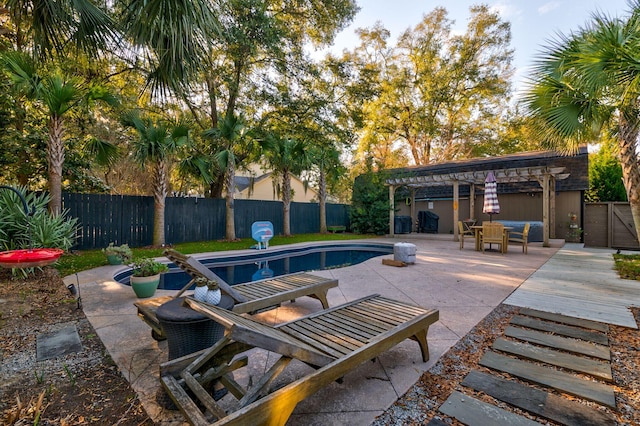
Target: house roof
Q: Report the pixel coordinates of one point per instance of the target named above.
(243, 182)
(514, 173)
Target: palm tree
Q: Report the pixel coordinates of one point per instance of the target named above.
(157, 142)
(59, 95)
(326, 159)
(55, 25)
(174, 37)
(589, 81)
(285, 157)
(232, 130)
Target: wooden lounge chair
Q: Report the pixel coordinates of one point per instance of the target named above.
(521, 237)
(335, 341)
(493, 233)
(250, 297)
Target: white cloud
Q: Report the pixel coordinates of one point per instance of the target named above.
(548, 7)
(506, 10)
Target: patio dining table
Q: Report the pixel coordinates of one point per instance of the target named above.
(505, 236)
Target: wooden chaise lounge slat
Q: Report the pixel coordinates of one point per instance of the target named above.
(249, 297)
(334, 340)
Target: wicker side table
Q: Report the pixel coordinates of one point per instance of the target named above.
(189, 331)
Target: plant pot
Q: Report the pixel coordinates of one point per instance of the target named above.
(145, 286)
(114, 259)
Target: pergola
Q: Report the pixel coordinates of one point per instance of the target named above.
(546, 176)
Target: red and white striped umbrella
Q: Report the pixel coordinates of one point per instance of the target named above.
(491, 205)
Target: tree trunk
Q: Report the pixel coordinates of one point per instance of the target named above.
(55, 157)
(217, 186)
(286, 203)
(322, 195)
(230, 201)
(159, 197)
(630, 169)
(213, 108)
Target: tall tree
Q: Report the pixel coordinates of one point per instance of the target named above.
(285, 157)
(439, 94)
(259, 41)
(325, 158)
(59, 95)
(231, 131)
(157, 141)
(588, 80)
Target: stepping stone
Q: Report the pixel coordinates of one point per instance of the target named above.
(474, 412)
(591, 325)
(437, 422)
(58, 343)
(561, 329)
(563, 382)
(593, 367)
(543, 404)
(559, 342)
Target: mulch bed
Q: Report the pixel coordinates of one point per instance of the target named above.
(80, 388)
(420, 404)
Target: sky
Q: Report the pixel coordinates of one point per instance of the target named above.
(533, 23)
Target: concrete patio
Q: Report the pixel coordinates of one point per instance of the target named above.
(464, 285)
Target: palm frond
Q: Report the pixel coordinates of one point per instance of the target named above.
(102, 152)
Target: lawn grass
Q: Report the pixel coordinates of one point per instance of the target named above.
(628, 266)
(87, 259)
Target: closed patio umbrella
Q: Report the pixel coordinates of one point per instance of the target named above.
(491, 205)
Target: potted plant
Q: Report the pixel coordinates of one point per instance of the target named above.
(146, 276)
(117, 255)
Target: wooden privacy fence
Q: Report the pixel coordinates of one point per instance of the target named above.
(609, 225)
(129, 219)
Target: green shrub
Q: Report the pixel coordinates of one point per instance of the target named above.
(370, 208)
(18, 230)
(122, 251)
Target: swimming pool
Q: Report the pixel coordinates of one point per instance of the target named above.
(273, 262)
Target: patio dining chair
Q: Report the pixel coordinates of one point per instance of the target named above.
(521, 237)
(493, 233)
(464, 232)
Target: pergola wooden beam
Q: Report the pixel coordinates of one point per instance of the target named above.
(545, 176)
(513, 175)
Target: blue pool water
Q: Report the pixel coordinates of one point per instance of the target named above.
(272, 263)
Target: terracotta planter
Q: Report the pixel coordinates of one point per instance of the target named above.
(145, 286)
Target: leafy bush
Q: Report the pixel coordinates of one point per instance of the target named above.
(122, 251)
(605, 176)
(18, 230)
(370, 205)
